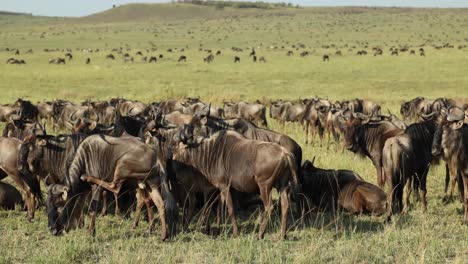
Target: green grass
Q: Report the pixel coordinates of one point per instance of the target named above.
(436, 236)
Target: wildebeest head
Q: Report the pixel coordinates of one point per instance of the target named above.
(452, 121)
(187, 138)
(56, 200)
(350, 123)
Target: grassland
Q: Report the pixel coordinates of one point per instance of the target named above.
(436, 236)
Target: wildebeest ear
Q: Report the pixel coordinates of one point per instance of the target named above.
(457, 125)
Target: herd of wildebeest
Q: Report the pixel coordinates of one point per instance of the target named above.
(145, 56)
(189, 155)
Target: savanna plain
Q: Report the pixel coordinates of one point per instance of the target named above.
(435, 236)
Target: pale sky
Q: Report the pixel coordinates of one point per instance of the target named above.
(86, 7)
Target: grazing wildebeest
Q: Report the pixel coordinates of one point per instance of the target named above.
(451, 142)
(9, 151)
(262, 59)
(88, 60)
(304, 54)
(254, 112)
(412, 52)
(68, 55)
(57, 61)
(407, 157)
(219, 158)
(289, 53)
(394, 52)
(285, 111)
(110, 57)
(422, 52)
(182, 58)
(325, 57)
(15, 61)
(109, 163)
(367, 138)
(331, 190)
(26, 110)
(236, 59)
(6, 111)
(9, 197)
(153, 59)
(254, 58)
(209, 58)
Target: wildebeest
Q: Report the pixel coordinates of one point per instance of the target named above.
(21, 129)
(26, 110)
(68, 55)
(330, 190)
(9, 197)
(451, 142)
(88, 60)
(311, 117)
(254, 112)
(367, 138)
(153, 59)
(413, 109)
(207, 125)
(182, 58)
(57, 61)
(262, 59)
(209, 58)
(15, 61)
(6, 111)
(325, 57)
(236, 59)
(9, 151)
(285, 111)
(407, 157)
(219, 159)
(110, 57)
(126, 160)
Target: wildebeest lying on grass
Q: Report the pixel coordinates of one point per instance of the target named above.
(127, 159)
(228, 160)
(331, 190)
(9, 196)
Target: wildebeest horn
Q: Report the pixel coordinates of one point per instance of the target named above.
(389, 113)
(73, 117)
(428, 115)
(313, 161)
(129, 113)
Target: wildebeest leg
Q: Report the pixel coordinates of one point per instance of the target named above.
(265, 195)
(96, 195)
(307, 123)
(226, 197)
(408, 195)
(159, 202)
(140, 197)
(116, 199)
(424, 190)
(447, 180)
(465, 200)
(284, 211)
(113, 186)
(29, 198)
(104, 203)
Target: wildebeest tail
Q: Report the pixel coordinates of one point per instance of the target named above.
(172, 213)
(26, 175)
(295, 182)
